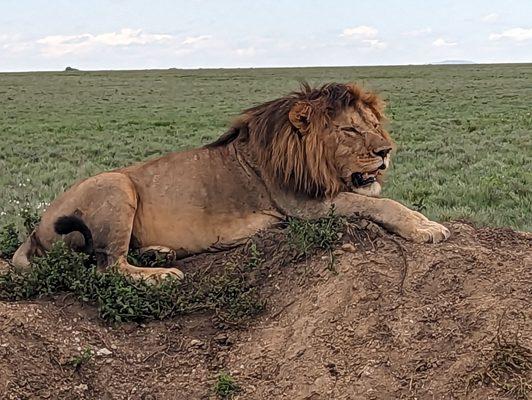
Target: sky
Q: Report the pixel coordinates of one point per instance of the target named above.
(145, 34)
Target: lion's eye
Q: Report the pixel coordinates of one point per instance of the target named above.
(350, 129)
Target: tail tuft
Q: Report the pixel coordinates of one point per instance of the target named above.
(70, 223)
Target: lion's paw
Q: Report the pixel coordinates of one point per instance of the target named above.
(428, 231)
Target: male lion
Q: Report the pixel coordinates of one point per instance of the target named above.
(294, 156)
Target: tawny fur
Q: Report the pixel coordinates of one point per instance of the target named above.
(294, 156)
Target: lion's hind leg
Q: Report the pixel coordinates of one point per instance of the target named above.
(107, 204)
(152, 275)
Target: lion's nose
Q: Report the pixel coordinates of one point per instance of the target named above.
(382, 151)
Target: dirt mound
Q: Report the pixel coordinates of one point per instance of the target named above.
(387, 320)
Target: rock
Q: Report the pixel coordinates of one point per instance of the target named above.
(223, 339)
(196, 343)
(349, 247)
(104, 352)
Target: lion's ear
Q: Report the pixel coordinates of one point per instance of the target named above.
(300, 115)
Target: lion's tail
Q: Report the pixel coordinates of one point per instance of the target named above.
(70, 223)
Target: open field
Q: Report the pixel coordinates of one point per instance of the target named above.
(463, 132)
(310, 310)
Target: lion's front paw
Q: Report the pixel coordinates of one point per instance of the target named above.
(427, 231)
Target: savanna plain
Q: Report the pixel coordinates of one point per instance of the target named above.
(463, 132)
(329, 309)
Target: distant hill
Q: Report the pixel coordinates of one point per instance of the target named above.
(453, 62)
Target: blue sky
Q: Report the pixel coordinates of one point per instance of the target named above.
(134, 34)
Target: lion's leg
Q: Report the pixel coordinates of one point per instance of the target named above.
(391, 215)
(107, 204)
(112, 224)
(154, 275)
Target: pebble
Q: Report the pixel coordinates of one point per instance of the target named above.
(104, 352)
(196, 343)
(349, 248)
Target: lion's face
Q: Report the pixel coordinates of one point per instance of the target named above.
(362, 151)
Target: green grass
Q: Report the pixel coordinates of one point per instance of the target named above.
(229, 294)
(231, 290)
(225, 386)
(307, 236)
(81, 359)
(463, 132)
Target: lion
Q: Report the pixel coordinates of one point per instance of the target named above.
(296, 156)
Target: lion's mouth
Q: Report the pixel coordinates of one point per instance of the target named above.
(361, 179)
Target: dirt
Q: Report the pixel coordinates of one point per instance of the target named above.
(389, 320)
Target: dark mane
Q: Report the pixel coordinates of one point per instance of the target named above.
(299, 163)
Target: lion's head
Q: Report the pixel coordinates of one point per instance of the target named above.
(319, 141)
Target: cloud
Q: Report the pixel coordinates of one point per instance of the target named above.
(517, 34)
(441, 42)
(196, 39)
(375, 43)
(246, 52)
(490, 17)
(366, 35)
(362, 31)
(418, 32)
(14, 44)
(59, 45)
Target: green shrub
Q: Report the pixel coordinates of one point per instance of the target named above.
(83, 358)
(9, 241)
(229, 295)
(225, 386)
(306, 236)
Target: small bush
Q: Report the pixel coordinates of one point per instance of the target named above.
(9, 241)
(83, 358)
(120, 298)
(307, 236)
(225, 386)
(30, 219)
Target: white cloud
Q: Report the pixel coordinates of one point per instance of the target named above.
(14, 44)
(441, 42)
(196, 39)
(59, 45)
(418, 32)
(361, 31)
(490, 17)
(517, 34)
(375, 43)
(247, 51)
(365, 35)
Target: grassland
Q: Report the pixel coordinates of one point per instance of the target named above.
(464, 133)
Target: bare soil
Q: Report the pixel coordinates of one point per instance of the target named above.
(389, 320)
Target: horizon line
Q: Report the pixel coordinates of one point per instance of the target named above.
(445, 63)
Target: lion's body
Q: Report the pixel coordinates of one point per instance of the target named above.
(269, 165)
(212, 200)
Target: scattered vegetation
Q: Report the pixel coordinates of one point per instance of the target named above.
(9, 236)
(30, 219)
(9, 241)
(306, 236)
(228, 294)
(81, 359)
(225, 386)
(231, 292)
